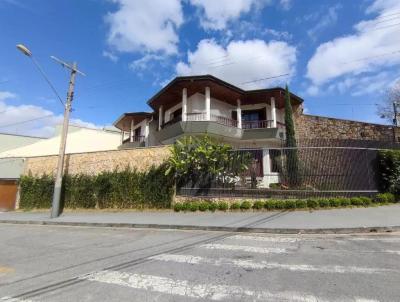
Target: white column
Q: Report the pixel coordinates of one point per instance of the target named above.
(160, 117)
(122, 136)
(266, 168)
(273, 112)
(184, 105)
(239, 114)
(208, 104)
(131, 136)
(146, 133)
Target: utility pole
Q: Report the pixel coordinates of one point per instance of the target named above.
(395, 120)
(55, 207)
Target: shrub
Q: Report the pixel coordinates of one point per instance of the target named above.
(290, 204)
(186, 206)
(301, 204)
(178, 207)
(356, 201)
(235, 206)
(366, 201)
(312, 203)
(280, 204)
(213, 206)
(193, 206)
(258, 205)
(270, 204)
(223, 206)
(203, 206)
(245, 205)
(335, 202)
(389, 171)
(324, 203)
(385, 198)
(344, 202)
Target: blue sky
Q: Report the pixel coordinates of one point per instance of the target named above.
(340, 56)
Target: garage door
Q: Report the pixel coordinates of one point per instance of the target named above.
(8, 194)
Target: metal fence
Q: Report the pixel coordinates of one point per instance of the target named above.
(330, 168)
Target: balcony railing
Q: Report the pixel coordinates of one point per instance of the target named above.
(257, 124)
(201, 116)
(135, 139)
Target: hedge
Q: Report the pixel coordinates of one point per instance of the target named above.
(289, 204)
(118, 189)
(388, 162)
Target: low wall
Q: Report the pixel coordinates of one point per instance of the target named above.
(95, 162)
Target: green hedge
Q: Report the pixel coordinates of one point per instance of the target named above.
(117, 189)
(288, 204)
(388, 163)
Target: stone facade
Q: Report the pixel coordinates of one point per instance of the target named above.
(96, 162)
(318, 127)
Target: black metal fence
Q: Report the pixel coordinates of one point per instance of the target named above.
(323, 168)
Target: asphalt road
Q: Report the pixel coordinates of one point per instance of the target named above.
(48, 263)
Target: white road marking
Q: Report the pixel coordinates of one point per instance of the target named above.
(244, 248)
(10, 299)
(269, 265)
(265, 239)
(392, 252)
(201, 291)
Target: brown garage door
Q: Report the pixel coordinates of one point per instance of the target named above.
(8, 194)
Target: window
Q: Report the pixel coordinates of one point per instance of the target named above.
(138, 131)
(177, 114)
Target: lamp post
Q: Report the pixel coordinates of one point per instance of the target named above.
(55, 207)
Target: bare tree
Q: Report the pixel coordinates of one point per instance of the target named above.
(392, 98)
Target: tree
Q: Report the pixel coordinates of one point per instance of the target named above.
(385, 110)
(292, 161)
(200, 160)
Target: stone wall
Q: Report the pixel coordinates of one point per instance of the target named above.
(318, 127)
(96, 162)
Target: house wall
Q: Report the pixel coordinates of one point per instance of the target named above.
(142, 124)
(95, 162)
(318, 127)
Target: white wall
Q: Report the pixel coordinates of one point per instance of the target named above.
(142, 124)
(167, 113)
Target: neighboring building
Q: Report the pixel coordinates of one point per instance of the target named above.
(12, 141)
(79, 140)
(198, 105)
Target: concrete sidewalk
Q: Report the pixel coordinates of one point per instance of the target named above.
(384, 218)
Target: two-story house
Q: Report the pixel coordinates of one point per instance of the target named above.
(198, 105)
(252, 119)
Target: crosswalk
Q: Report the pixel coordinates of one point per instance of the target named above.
(250, 268)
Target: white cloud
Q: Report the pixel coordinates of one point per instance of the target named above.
(216, 14)
(43, 121)
(143, 63)
(241, 61)
(328, 19)
(373, 47)
(110, 55)
(145, 26)
(286, 4)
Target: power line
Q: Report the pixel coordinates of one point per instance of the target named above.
(263, 79)
(371, 57)
(383, 27)
(27, 121)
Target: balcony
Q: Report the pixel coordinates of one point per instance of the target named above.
(197, 123)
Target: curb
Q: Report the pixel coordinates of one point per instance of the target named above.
(209, 228)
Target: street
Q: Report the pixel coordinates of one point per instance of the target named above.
(58, 263)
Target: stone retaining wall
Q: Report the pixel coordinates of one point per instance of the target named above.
(96, 162)
(318, 127)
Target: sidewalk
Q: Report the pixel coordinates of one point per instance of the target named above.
(385, 218)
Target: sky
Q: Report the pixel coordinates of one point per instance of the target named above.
(341, 57)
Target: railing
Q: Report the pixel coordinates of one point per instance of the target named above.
(224, 120)
(195, 117)
(257, 124)
(136, 138)
(202, 116)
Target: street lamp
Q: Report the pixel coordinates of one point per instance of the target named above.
(55, 207)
